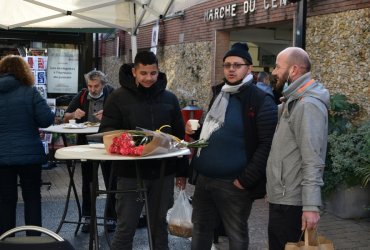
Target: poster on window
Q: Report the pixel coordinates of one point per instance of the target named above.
(52, 103)
(41, 77)
(42, 62)
(31, 61)
(37, 62)
(62, 70)
(154, 42)
(42, 90)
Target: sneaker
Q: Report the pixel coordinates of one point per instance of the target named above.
(111, 225)
(86, 227)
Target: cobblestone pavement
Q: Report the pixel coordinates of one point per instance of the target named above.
(347, 234)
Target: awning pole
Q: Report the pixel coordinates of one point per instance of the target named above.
(133, 46)
(133, 31)
(96, 51)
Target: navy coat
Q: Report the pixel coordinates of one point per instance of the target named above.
(22, 112)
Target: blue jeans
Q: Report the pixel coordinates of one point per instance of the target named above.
(30, 181)
(216, 199)
(128, 208)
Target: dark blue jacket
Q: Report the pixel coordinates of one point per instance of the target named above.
(22, 112)
(259, 114)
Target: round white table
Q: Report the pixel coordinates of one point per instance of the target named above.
(96, 153)
(64, 129)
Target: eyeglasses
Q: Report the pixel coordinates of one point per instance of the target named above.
(234, 65)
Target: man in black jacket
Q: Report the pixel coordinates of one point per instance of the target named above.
(144, 102)
(87, 105)
(232, 169)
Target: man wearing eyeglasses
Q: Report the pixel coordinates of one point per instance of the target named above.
(296, 162)
(231, 169)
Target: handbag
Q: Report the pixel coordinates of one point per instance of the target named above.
(312, 241)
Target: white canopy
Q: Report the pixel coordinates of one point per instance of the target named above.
(120, 14)
(127, 15)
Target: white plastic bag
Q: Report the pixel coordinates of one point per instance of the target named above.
(179, 222)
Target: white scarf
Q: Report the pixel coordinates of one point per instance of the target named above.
(216, 115)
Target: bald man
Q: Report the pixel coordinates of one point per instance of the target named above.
(297, 158)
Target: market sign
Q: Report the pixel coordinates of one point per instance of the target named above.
(62, 72)
(230, 10)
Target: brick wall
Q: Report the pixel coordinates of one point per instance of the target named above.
(195, 29)
(108, 46)
(222, 42)
(340, 27)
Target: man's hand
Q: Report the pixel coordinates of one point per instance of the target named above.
(99, 115)
(188, 129)
(78, 114)
(310, 220)
(237, 184)
(181, 182)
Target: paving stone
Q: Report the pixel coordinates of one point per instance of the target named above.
(345, 233)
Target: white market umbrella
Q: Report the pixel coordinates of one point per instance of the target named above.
(126, 15)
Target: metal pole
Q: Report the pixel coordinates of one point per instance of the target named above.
(133, 46)
(133, 31)
(97, 51)
(300, 30)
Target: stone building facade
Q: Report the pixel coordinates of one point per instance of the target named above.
(191, 46)
(339, 45)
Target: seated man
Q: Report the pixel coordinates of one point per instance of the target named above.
(87, 105)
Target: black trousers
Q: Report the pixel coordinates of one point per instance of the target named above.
(87, 174)
(30, 181)
(284, 225)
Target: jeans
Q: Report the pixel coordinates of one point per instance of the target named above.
(30, 181)
(284, 225)
(87, 173)
(129, 207)
(216, 199)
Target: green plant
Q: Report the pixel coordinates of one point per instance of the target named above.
(348, 147)
(364, 170)
(341, 113)
(348, 159)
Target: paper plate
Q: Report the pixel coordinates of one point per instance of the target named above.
(97, 145)
(74, 126)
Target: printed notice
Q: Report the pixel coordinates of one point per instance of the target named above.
(62, 73)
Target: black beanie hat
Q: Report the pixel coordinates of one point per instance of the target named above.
(240, 50)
